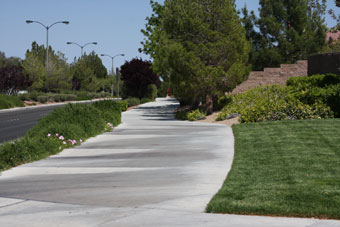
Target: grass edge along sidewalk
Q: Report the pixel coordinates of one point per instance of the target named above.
(64, 127)
(283, 168)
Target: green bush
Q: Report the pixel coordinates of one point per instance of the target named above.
(23, 97)
(190, 115)
(124, 105)
(151, 92)
(133, 101)
(42, 98)
(64, 127)
(7, 101)
(272, 103)
(145, 100)
(196, 115)
(222, 102)
(317, 89)
(306, 82)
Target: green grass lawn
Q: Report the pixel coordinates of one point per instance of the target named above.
(284, 168)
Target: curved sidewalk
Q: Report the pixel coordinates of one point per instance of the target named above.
(150, 171)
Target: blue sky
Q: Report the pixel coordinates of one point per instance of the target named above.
(114, 24)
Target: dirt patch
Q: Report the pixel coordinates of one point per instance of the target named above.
(212, 119)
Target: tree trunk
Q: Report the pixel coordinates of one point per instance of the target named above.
(209, 104)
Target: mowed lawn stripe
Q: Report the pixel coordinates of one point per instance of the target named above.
(284, 168)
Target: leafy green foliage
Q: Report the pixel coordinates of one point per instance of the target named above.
(200, 45)
(133, 101)
(272, 103)
(151, 92)
(317, 89)
(284, 168)
(75, 122)
(57, 78)
(146, 100)
(222, 102)
(286, 31)
(305, 82)
(190, 115)
(124, 105)
(7, 102)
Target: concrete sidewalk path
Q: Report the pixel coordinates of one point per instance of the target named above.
(150, 171)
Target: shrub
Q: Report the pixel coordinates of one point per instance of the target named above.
(7, 101)
(305, 82)
(34, 95)
(124, 105)
(133, 101)
(190, 115)
(151, 92)
(146, 100)
(196, 115)
(272, 103)
(222, 102)
(64, 127)
(316, 89)
(42, 98)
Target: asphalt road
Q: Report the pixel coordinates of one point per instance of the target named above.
(149, 171)
(14, 123)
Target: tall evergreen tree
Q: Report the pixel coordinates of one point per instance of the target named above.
(200, 44)
(287, 31)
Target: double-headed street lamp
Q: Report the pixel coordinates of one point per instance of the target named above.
(47, 28)
(113, 71)
(82, 46)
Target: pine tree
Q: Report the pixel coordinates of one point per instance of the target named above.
(201, 45)
(288, 31)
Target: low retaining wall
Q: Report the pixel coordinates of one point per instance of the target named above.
(273, 76)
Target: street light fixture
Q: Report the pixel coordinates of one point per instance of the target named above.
(81, 46)
(113, 72)
(47, 28)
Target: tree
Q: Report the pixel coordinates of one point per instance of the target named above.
(88, 73)
(200, 44)
(13, 79)
(94, 62)
(136, 76)
(56, 79)
(287, 31)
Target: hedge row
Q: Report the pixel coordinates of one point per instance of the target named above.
(75, 96)
(64, 127)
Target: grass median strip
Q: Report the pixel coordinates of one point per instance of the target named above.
(64, 127)
(283, 168)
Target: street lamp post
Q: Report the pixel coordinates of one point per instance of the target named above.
(47, 28)
(82, 46)
(112, 70)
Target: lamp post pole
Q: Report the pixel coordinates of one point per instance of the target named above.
(47, 28)
(82, 46)
(112, 70)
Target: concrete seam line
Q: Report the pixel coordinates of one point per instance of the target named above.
(23, 201)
